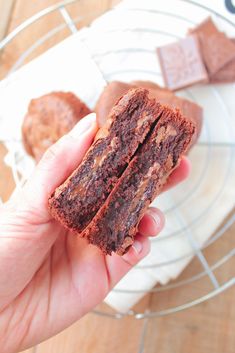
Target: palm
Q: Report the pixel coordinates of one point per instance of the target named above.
(65, 286)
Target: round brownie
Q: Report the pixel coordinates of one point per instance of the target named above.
(48, 118)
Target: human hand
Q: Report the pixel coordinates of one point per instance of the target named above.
(50, 278)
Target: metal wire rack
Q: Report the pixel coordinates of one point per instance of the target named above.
(209, 147)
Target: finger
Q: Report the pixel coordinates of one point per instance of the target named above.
(60, 160)
(152, 222)
(179, 174)
(118, 266)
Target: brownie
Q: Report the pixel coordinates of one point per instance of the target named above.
(79, 198)
(181, 63)
(48, 118)
(114, 226)
(115, 89)
(216, 48)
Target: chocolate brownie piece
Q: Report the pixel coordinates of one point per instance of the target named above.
(216, 48)
(79, 198)
(115, 89)
(49, 117)
(181, 63)
(114, 226)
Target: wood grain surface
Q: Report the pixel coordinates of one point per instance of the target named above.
(206, 328)
(6, 12)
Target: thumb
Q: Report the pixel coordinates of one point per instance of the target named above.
(59, 161)
(118, 266)
(27, 231)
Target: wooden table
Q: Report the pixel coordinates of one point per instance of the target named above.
(206, 328)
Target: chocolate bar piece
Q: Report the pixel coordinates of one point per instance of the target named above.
(79, 198)
(181, 63)
(216, 48)
(114, 226)
(226, 74)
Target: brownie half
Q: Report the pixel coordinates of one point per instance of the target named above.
(114, 226)
(79, 198)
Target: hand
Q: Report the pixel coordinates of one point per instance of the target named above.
(50, 278)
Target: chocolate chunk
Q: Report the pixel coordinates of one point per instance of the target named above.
(181, 63)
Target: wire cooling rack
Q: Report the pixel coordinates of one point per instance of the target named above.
(205, 266)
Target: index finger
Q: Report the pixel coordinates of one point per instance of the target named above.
(179, 174)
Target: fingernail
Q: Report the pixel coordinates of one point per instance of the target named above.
(83, 125)
(157, 216)
(137, 245)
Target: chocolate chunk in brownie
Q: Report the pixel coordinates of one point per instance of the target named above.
(79, 198)
(181, 63)
(49, 117)
(115, 225)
